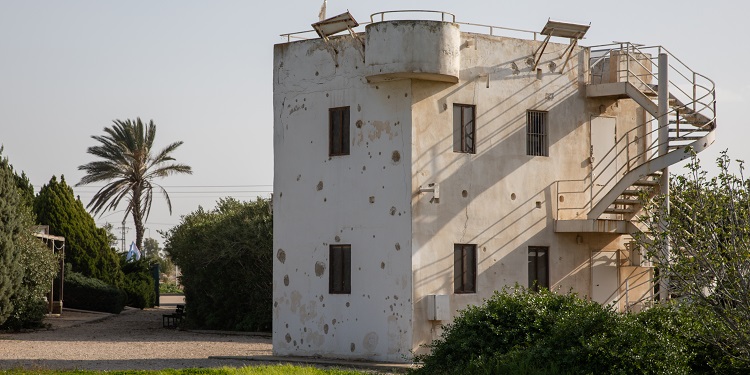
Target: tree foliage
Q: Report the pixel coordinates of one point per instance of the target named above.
(86, 246)
(129, 168)
(225, 256)
(14, 221)
(27, 267)
(526, 332)
(708, 267)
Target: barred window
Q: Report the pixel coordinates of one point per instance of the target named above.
(464, 268)
(338, 131)
(340, 269)
(537, 143)
(538, 267)
(464, 128)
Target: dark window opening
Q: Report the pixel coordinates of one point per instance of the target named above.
(338, 126)
(464, 128)
(536, 133)
(465, 268)
(538, 267)
(340, 269)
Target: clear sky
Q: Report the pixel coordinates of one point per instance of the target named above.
(202, 70)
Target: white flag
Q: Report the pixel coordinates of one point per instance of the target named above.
(322, 14)
(133, 252)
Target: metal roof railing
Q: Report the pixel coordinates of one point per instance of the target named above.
(443, 17)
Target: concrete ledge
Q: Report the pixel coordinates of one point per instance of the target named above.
(595, 226)
(388, 366)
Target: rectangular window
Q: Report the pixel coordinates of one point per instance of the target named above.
(338, 131)
(536, 133)
(464, 128)
(340, 269)
(464, 268)
(538, 267)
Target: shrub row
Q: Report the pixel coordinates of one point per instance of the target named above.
(85, 293)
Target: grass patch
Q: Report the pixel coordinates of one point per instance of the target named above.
(254, 370)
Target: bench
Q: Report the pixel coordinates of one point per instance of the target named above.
(175, 319)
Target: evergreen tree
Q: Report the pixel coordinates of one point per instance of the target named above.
(14, 221)
(86, 246)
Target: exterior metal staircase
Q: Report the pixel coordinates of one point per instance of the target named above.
(633, 73)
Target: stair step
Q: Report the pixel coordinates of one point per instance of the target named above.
(686, 138)
(618, 211)
(632, 192)
(646, 183)
(628, 202)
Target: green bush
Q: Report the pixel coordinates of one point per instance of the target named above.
(169, 288)
(521, 332)
(139, 284)
(85, 293)
(225, 256)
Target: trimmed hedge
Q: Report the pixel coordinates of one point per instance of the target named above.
(139, 284)
(85, 293)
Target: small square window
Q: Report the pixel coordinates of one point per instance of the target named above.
(338, 131)
(340, 269)
(464, 128)
(537, 143)
(538, 267)
(464, 268)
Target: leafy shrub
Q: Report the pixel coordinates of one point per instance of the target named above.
(225, 256)
(85, 293)
(139, 284)
(518, 331)
(169, 288)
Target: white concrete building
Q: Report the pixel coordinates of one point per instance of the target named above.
(420, 167)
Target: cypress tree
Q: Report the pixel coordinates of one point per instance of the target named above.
(13, 221)
(86, 246)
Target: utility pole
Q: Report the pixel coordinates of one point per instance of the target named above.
(123, 229)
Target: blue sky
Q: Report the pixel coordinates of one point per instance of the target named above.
(202, 70)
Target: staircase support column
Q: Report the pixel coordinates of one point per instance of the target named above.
(663, 123)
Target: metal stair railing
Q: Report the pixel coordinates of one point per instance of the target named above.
(698, 102)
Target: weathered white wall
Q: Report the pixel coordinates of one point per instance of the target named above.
(362, 199)
(490, 198)
(402, 138)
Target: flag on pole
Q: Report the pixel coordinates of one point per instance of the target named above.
(133, 252)
(322, 14)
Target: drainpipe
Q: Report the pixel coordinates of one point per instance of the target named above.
(663, 123)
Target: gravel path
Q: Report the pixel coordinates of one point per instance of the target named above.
(133, 340)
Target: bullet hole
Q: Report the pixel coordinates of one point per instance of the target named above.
(281, 256)
(380, 153)
(364, 168)
(377, 88)
(304, 329)
(484, 249)
(276, 304)
(320, 186)
(464, 193)
(299, 176)
(287, 325)
(288, 338)
(406, 95)
(321, 298)
(562, 198)
(294, 343)
(286, 280)
(372, 199)
(326, 95)
(333, 322)
(325, 328)
(395, 297)
(316, 74)
(352, 346)
(359, 124)
(513, 196)
(325, 199)
(337, 239)
(393, 211)
(320, 268)
(389, 96)
(445, 106)
(396, 156)
(382, 265)
(347, 304)
(359, 108)
(538, 204)
(281, 194)
(398, 246)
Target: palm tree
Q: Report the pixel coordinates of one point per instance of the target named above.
(129, 168)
